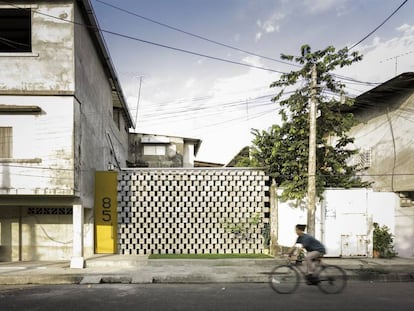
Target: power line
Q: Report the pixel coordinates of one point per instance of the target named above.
(133, 38)
(214, 41)
(379, 26)
(193, 34)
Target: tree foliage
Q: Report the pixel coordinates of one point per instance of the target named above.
(284, 149)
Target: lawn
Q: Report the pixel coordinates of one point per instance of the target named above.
(209, 256)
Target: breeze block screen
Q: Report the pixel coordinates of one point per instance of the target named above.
(192, 211)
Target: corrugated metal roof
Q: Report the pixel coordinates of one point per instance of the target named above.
(381, 95)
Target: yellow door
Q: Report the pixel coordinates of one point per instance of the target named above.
(106, 212)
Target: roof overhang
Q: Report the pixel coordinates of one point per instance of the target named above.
(381, 95)
(103, 52)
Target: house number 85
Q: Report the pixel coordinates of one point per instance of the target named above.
(106, 211)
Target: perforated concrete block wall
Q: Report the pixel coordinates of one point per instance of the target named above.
(192, 211)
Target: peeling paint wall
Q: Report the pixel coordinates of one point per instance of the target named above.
(47, 235)
(386, 131)
(44, 70)
(56, 151)
(42, 161)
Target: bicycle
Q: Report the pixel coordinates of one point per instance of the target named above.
(330, 279)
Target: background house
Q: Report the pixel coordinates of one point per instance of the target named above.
(384, 135)
(150, 150)
(62, 117)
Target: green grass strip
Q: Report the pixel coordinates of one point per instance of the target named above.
(209, 256)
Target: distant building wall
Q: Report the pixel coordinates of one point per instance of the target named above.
(194, 211)
(386, 136)
(146, 150)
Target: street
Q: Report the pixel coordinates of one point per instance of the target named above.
(357, 296)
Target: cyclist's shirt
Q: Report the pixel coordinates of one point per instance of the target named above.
(311, 244)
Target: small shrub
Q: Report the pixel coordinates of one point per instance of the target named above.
(384, 241)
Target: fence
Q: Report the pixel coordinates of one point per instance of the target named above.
(193, 211)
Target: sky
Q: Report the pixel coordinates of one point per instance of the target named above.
(219, 102)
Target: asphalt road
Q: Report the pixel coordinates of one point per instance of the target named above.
(357, 296)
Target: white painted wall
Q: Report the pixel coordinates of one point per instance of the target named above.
(47, 136)
(404, 231)
(343, 220)
(188, 158)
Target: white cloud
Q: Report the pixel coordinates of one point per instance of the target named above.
(189, 83)
(320, 6)
(270, 25)
(380, 56)
(258, 36)
(406, 29)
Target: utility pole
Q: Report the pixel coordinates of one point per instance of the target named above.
(312, 154)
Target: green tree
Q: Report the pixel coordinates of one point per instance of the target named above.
(283, 149)
(243, 159)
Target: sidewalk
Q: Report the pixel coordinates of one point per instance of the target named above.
(141, 270)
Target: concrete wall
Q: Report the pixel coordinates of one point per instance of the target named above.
(57, 151)
(44, 71)
(37, 233)
(95, 129)
(192, 211)
(42, 160)
(385, 131)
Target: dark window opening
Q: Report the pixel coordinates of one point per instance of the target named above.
(117, 117)
(15, 30)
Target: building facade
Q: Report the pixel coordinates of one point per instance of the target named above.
(150, 150)
(384, 135)
(62, 117)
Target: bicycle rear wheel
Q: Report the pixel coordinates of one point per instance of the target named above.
(284, 279)
(332, 279)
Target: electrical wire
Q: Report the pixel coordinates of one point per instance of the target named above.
(133, 38)
(193, 34)
(379, 26)
(218, 43)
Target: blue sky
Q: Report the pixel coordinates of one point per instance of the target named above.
(192, 96)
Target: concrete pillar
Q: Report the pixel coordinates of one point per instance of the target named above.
(273, 219)
(77, 261)
(188, 159)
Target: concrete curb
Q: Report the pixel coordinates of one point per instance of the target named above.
(40, 279)
(148, 278)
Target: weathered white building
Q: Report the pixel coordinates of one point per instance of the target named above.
(151, 150)
(62, 117)
(384, 135)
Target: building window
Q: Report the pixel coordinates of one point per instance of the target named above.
(116, 114)
(15, 30)
(155, 150)
(6, 142)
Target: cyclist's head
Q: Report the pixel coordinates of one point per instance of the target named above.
(300, 228)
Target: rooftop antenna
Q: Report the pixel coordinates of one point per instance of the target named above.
(396, 59)
(139, 96)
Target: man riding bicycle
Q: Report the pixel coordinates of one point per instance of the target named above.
(314, 248)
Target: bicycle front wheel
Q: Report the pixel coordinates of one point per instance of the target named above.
(332, 280)
(284, 279)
